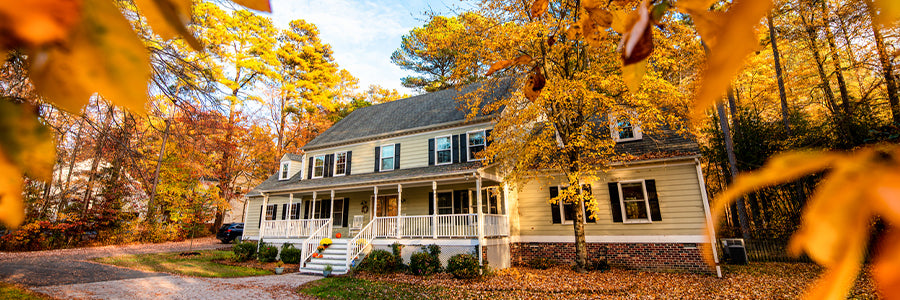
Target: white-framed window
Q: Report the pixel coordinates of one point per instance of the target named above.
(634, 201)
(295, 211)
(624, 128)
(443, 154)
(387, 157)
(270, 212)
(340, 164)
(567, 210)
(285, 167)
(475, 141)
(318, 166)
(491, 200)
(445, 202)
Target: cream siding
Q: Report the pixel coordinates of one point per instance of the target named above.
(680, 204)
(413, 149)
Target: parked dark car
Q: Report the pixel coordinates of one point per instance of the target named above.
(230, 231)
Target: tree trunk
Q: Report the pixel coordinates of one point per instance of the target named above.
(151, 205)
(886, 68)
(840, 124)
(835, 60)
(732, 166)
(98, 155)
(785, 113)
(578, 223)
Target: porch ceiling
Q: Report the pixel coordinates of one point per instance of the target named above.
(415, 177)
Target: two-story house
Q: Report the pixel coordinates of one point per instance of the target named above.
(405, 171)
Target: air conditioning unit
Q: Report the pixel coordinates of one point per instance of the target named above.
(734, 251)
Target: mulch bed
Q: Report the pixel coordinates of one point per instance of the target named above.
(288, 268)
(757, 281)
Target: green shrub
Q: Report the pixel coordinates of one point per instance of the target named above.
(380, 262)
(427, 261)
(267, 253)
(541, 263)
(244, 251)
(397, 251)
(290, 254)
(464, 266)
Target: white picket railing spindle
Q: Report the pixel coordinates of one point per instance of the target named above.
(358, 243)
(312, 242)
(291, 228)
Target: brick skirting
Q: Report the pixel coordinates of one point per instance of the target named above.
(643, 256)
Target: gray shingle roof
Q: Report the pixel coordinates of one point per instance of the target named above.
(429, 109)
(293, 157)
(273, 184)
(663, 142)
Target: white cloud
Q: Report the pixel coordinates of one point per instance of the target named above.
(362, 33)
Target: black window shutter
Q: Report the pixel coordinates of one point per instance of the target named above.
(464, 145)
(329, 165)
(586, 188)
(614, 203)
(487, 137)
(274, 212)
(347, 166)
(377, 159)
(309, 173)
(284, 211)
(655, 215)
(325, 211)
(430, 152)
(456, 150)
(397, 156)
(262, 214)
(430, 203)
(460, 202)
(554, 208)
(346, 211)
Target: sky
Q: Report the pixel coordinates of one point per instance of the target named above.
(364, 33)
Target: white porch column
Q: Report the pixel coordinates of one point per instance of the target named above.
(434, 211)
(375, 204)
(331, 214)
(399, 206)
(312, 207)
(262, 221)
(291, 209)
(480, 219)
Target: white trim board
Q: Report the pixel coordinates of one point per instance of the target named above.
(425, 241)
(697, 239)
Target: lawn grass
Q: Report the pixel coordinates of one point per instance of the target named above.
(203, 265)
(345, 287)
(14, 292)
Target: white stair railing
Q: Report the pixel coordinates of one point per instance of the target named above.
(358, 243)
(312, 242)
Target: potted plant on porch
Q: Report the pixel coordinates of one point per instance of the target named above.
(279, 267)
(327, 271)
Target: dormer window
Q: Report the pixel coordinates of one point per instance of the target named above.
(475, 142)
(442, 150)
(285, 167)
(319, 166)
(625, 128)
(387, 158)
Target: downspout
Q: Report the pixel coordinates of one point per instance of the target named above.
(709, 222)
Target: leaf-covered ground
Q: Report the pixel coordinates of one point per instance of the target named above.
(755, 281)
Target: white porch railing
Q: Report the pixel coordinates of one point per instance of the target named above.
(443, 226)
(291, 228)
(358, 243)
(312, 242)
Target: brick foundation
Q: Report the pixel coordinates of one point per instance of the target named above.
(643, 256)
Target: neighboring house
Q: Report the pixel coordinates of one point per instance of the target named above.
(77, 184)
(403, 171)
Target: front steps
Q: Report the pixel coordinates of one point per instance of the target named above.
(335, 255)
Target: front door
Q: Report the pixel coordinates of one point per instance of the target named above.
(387, 206)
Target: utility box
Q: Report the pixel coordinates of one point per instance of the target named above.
(735, 252)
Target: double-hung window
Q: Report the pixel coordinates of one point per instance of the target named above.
(625, 128)
(295, 211)
(445, 203)
(285, 166)
(633, 198)
(387, 157)
(442, 150)
(340, 164)
(270, 212)
(475, 143)
(318, 166)
(337, 215)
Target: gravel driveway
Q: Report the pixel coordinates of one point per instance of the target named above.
(67, 274)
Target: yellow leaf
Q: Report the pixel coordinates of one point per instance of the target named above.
(37, 22)
(695, 4)
(734, 41)
(633, 73)
(536, 83)
(887, 263)
(103, 55)
(26, 142)
(12, 212)
(260, 5)
(886, 194)
(637, 44)
(620, 20)
(539, 7)
(600, 16)
(890, 11)
(169, 18)
(497, 66)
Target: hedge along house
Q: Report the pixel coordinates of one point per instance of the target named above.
(405, 171)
